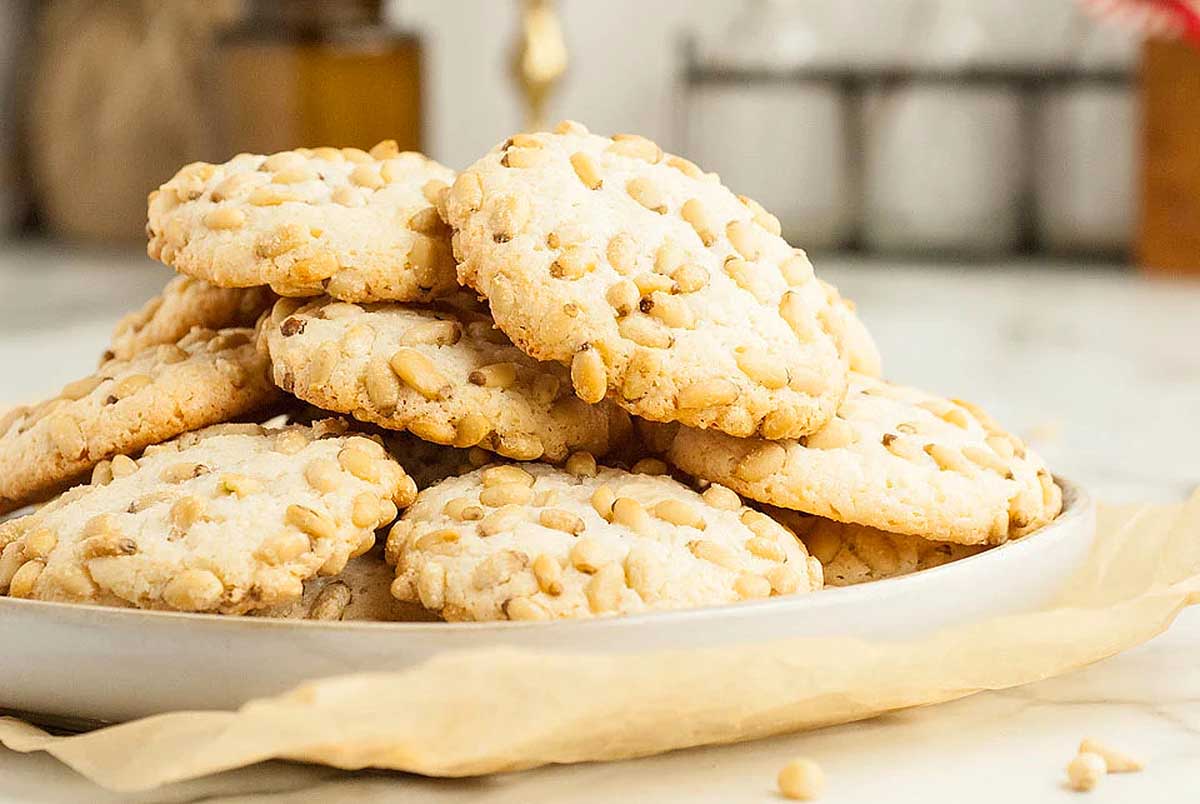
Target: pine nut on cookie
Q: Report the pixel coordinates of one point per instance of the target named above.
(532, 542)
(207, 377)
(652, 281)
(446, 374)
(357, 225)
(894, 458)
(227, 519)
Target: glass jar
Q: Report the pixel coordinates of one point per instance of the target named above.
(320, 72)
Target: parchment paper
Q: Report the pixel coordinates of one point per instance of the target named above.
(497, 710)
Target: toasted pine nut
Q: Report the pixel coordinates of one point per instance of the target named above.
(1085, 771)
(693, 212)
(193, 590)
(761, 462)
(494, 375)
(359, 463)
(678, 512)
(548, 573)
(604, 589)
(1114, 761)
(588, 554)
(643, 190)
(635, 146)
(589, 375)
(784, 580)
(587, 170)
(722, 498)
(744, 238)
(707, 393)
(761, 367)
(558, 519)
(506, 494)
(603, 500)
(315, 524)
(796, 270)
(505, 474)
(225, 218)
(714, 552)
(749, 586)
(801, 780)
(581, 464)
(418, 372)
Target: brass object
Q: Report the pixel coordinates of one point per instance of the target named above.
(539, 59)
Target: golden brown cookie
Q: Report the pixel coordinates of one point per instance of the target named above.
(532, 542)
(206, 378)
(894, 458)
(445, 374)
(227, 519)
(656, 284)
(359, 226)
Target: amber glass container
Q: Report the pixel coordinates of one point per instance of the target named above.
(319, 72)
(1169, 229)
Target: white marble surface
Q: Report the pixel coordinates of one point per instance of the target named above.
(1099, 369)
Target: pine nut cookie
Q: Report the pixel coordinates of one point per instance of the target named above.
(359, 226)
(894, 458)
(185, 303)
(532, 542)
(445, 374)
(651, 280)
(206, 378)
(853, 554)
(362, 591)
(227, 519)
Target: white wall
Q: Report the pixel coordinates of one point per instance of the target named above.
(624, 53)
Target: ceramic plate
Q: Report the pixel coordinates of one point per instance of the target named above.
(108, 664)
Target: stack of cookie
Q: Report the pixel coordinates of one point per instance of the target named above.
(580, 378)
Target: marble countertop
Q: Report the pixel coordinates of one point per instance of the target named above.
(1097, 368)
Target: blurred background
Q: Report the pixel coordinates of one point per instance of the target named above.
(1009, 188)
(947, 128)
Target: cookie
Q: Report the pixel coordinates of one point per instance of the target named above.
(445, 374)
(227, 519)
(362, 591)
(185, 303)
(854, 554)
(894, 458)
(359, 226)
(532, 542)
(651, 280)
(853, 338)
(206, 378)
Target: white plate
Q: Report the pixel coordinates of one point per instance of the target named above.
(109, 664)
